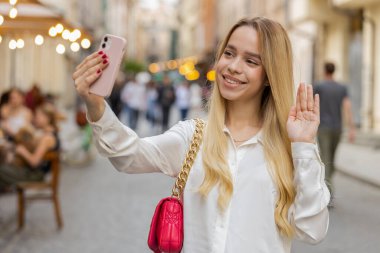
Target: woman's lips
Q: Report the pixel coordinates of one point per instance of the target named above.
(231, 81)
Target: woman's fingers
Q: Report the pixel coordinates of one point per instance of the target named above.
(316, 105)
(293, 112)
(303, 97)
(89, 77)
(88, 64)
(85, 82)
(310, 100)
(89, 58)
(298, 99)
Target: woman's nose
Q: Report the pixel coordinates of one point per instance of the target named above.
(235, 66)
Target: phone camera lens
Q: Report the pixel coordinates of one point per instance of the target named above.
(103, 45)
(105, 39)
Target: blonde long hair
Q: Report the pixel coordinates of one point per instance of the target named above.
(276, 57)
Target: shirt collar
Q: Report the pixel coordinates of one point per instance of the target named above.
(254, 139)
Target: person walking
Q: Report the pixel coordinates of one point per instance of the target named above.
(133, 96)
(183, 98)
(335, 106)
(166, 98)
(257, 181)
(152, 110)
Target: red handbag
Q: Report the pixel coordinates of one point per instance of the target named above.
(166, 228)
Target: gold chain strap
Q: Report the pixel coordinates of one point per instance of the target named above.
(189, 160)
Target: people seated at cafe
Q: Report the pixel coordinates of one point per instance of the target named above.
(24, 156)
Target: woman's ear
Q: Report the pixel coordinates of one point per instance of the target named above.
(266, 81)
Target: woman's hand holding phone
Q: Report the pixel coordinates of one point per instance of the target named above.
(86, 73)
(93, 81)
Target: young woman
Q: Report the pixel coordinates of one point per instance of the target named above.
(14, 115)
(258, 180)
(45, 139)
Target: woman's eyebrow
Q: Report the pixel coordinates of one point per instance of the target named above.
(255, 55)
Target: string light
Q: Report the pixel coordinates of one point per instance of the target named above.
(75, 46)
(85, 43)
(20, 43)
(39, 40)
(12, 2)
(77, 33)
(66, 34)
(1, 19)
(59, 28)
(13, 12)
(52, 31)
(12, 44)
(60, 49)
(72, 37)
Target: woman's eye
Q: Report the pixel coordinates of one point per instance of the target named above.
(252, 62)
(227, 53)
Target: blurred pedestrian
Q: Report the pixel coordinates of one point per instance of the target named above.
(15, 114)
(152, 110)
(183, 98)
(257, 180)
(335, 106)
(114, 99)
(133, 95)
(166, 98)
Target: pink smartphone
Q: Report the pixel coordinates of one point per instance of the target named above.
(114, 47)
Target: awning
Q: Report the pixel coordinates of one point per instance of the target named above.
(33, 18)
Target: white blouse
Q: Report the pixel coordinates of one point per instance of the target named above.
(248, 224)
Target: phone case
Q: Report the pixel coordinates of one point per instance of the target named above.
(114, 47)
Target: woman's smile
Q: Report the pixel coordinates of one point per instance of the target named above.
(232, 82)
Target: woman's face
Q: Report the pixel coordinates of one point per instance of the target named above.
(16, 98)
(239, 72)
(40, 119)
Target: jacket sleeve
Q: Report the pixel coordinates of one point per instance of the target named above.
(309, 213)
(131, 154)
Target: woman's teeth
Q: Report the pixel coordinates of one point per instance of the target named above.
(232, 81)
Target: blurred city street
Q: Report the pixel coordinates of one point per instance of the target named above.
(108, 211)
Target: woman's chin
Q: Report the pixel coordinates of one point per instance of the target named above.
(231, 96)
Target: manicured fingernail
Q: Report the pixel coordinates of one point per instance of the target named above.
(98, 72)
(100, 52)
(104, 56)
(105, 62)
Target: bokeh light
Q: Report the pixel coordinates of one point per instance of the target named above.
(85, 43)
(211, 75)
(66, 34)
(59, 28)
(77, 33)
(20, 43)
(154, 68)
(75, 46)
(39, 40)
(12, 44)
(60, 49)
(52, 31)
(13, 12)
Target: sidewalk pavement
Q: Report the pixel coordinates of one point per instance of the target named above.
(360, 160)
